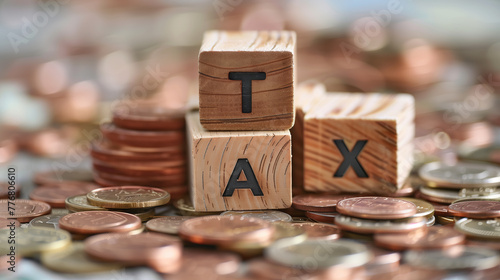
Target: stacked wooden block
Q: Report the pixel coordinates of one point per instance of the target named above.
(240, 141)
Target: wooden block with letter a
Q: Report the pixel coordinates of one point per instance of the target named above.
(242, 170)
(360, 143)
(246, 80)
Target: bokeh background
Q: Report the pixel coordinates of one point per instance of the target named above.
(65, 64)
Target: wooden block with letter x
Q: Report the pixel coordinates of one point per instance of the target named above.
(246, 80)
(238, 170)
(359, 143)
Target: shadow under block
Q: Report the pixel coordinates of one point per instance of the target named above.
(359, 143)
(270, 58)
(259, 160)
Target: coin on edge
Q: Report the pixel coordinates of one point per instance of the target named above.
(128, 197)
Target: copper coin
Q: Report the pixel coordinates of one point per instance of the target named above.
(6, 193)
(262, 268)
(322, 217)
(441, 209)
(365, 226)
(126, 197)
(426, 238)
(23, 210)
(225, 230)
(144, 117)
(177, 171)
(93, 222)
(106, 151)
(204, 264)
(49, 177)
(169, 224)
(319, 231)
(142, 138)
(375, 207)
(140, 249)
(55, 194)
(7, 223)
(480, 209)
(318, 202)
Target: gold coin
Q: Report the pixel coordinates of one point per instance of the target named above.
(143, 215)
(128, 197)
(186, 208)
(445, 220)
(73, 259)
(80, 203)
(168, 224)
(33, 240)
(484, 229)
(424, 208)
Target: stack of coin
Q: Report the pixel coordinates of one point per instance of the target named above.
(144, 145)
(372, 214)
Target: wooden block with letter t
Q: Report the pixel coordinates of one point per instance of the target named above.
(242, 170)
(246, 80)
(360, 143)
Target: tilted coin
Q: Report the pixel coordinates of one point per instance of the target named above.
(225, 230)
(73, 259)
(128, 197)
(424, 208)
(268, 215)
(379, 226)
(23, 210)
(34, 240)
(427, 238)
(92, 222)
(456, 257)
(161, 252)
(322, 217)
(323, 253)
(315, 231)
(486, 229)
(49, 221)
(480, 209)
(80, 203)
(376, 207)
(168, 224)
(56, 194)
(460, 175)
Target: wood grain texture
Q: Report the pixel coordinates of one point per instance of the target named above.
(213, 158)
(271, 52)
(306, 95)
(386, 121)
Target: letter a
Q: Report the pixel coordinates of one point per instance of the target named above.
(251, 183)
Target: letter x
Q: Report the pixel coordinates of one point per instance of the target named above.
(350, 158)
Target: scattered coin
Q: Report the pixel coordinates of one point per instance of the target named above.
(73, 259)
(375, 207)
(460, 175)
(225, 230)
(161, 252)
(318, 202)
(204, 264)
(128, 197)
(93, 222)
(334, 252)
(78, 203)
(426, 238)
(169, 224)
(379, 226)
(23, 210)
(49, 221)
(480, 209)
(33, 240)
(322, 217)
(268, 215)
(186, 208)
(315, 231)
(484, 229)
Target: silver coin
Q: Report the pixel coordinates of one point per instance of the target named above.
(456, 257)
(358, 225)
(449, 195)
(487, 229)
(318, 254)
(271, 216)
(460, 175)
(49, 221)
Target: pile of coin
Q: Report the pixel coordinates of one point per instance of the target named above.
(143, 145)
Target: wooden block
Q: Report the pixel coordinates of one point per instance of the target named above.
(306, 95)
(218, 159)
(246, 80)
(359, 143)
